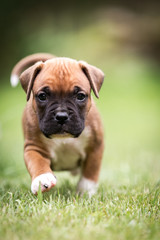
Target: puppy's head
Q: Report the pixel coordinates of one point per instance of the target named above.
(61, 90)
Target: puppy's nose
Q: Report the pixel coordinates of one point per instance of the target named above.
(61, 117)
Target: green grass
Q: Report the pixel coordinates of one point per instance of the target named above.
(127, 205)
(126, 212)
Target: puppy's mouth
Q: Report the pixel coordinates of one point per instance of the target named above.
(61, 134)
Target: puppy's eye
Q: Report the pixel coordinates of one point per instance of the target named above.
(81, 96)
(42, 96)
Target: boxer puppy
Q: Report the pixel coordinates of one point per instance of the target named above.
(62, 127)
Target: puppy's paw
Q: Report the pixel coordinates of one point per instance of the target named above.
(87, 186)
(46, 180)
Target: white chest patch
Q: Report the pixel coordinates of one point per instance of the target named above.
(66, 152)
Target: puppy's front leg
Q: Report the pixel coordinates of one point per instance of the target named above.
(40, 171)
(90, 172)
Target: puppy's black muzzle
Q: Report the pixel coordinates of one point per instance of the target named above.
(62, 117)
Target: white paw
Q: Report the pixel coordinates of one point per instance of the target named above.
(87, 186)
(47, 181)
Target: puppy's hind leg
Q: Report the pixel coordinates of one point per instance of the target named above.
(90, 172)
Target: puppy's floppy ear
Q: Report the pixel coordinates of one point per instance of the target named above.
(94, 75)
(28, 76)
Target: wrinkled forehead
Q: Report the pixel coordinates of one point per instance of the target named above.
(61, 75)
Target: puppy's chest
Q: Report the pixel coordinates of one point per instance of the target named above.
(68, 153)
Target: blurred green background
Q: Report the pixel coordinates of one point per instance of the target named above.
(123, 39)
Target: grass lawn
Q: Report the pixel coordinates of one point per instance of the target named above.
(127, 205)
